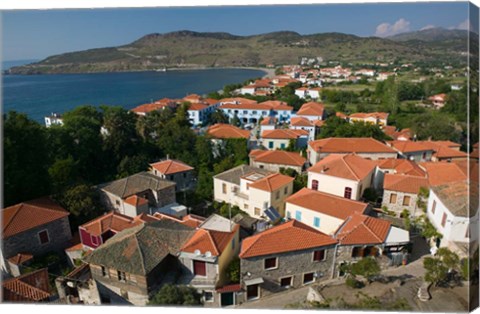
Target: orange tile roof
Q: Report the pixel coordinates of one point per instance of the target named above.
(209, 241)
(197, 107)
(271, 182)
(311, 109)
(171, 166)
(350, 145)
(326, 203)
(112, 221)
(229, 288)
(31, 214)
(300, 121)
(237, 100)
(287, 237)
(278, 157)
(319, 123)
(362, 229)
(220, 130)
(76, 247)
(365, 115)
(401, 166)
(341, 115)
(191, 220)
(20, 258)
(193, 98)
(474, 154)
(351, 166)
(443, 172)
(135, 200)
(404, 183)
(283, 134)
(31, 287)
(443, 149)
(409, 146)
(269, 121)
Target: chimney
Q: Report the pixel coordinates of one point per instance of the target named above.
(168, 157)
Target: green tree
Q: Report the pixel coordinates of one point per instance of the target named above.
(130, 165)
(435, 125)
(63, 174)
(82, 202)
(435, 270)
(171, 294)
(233, 271)
(366, 267)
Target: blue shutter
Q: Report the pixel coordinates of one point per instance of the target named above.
(316, 222)
(298, 215)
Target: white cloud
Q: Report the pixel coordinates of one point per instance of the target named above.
(465, 25)
(429, 26)
(387, 29)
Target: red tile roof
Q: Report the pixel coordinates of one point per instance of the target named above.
(341, 115)
(443, 172)
(363, 115)
(171, 166)
(404, 183)
(237, 100)
(350, 145)
(300, 121)
(20, 258)
(287, 237)
(28, 215)
(409, 146)
(351, 166)
(326, 203)
(311, 109)
(197, 107)
(401, 166)
(443, 149)
(135, 200)
(283, 134)
(112, 221)
(230, 288)
(278, 157)
(191, 220)
(227, 131)
(31, 287)
(271, 182)
(362, 229)
(269, 121)
(211, 241)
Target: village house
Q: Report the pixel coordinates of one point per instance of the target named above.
(312, 111)
(382, 76)
(308, 92)
(415, 151)
(32, 287)
(439, 173)
(199, 108)
(400, 191)
(365, 72)
(141, 193)
(283, 138)
(31, 229)
(133, 265)
(161, 104)
(268, 123)
(261, 87)
(445, 150)
(454, 212)
(78, 287)
(322, 211)
(396, 166)
(274, 160)
(206, 256)
(400, 135)
(220, 131)
(438, 101)
(342, 175)
(378, 118)
(279, 259)
(302, 123)
(177, 171)
(252, 112)
(53, 119)
(259, 192)
(368, 148)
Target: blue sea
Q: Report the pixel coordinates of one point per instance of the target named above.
(40, 95)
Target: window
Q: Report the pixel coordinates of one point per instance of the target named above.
(347, 193)
(257, 211)
(286, 190)
(245, 112)
(245, 206)
(184, 174)
(208, 296)
(319, 255)
(406, 200)
(270, 144)
(424, 155)
(121, 276)
(199, 268)
(261, 166)
(286, 282)
(308, 278)
(270, 263)
(433, 206)
(315, 185)
(444, 219)
(298, 215)
(282, 146)
(289, 215)
(277, 196)
(224, 188)
(104, 272)
(316, 222)
(43, 237)
(94, 240)
(254, 112)
(393, 198)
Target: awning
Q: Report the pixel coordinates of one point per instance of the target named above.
(255, 281)
(397, 236)
(272, 214)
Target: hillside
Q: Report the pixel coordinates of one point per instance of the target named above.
(187, 49)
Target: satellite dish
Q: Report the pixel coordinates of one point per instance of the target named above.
(197, 252)
(208, 254)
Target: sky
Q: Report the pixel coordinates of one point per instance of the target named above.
(37, 34)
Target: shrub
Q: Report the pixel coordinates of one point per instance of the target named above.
(233, 271)
(354, 283)
(176, 295)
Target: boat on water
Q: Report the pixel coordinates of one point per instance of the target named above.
(164, 69)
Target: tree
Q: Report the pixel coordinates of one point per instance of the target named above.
(435, 125)
(26, 159)
(63, 174)
(171, 294)
(82, 202)
(233, 270)
(130, 165)
(436, 271)
(366, 267)
(235, 121)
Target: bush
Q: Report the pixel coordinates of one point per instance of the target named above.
(365, 267)
(176, 295)
(354, 283)
(466, 268)
(370, 195)
(233, 271)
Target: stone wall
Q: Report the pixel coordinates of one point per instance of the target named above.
(294, 264)
(398, 206)
(166, 196)
(59, 235)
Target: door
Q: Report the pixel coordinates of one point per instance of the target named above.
(252, 292)
(227, 299)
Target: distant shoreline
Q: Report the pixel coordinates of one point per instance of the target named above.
(269, 72)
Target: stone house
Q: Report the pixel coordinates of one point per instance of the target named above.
(256, 191)
(378, 118)
(139, 193)
(35, 228)
(273, 160)
(368, 148)
(174, 170)
(342, 175)
(395, 166)
(401, 192)
(135, 263)
(280, 258)
(415, 151)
